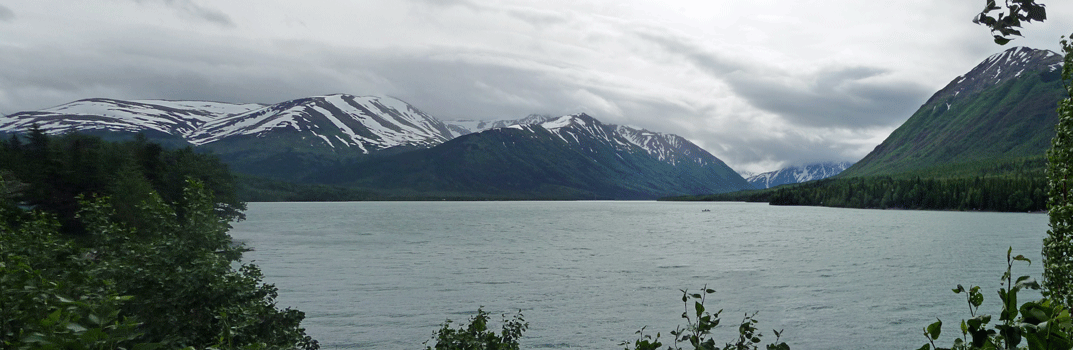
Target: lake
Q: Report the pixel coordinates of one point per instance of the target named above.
(587, 275)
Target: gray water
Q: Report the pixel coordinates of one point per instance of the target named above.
(587, 275)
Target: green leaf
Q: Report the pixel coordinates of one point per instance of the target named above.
(1022, 258)
(74, 327)
(935, 329)
(976, 299)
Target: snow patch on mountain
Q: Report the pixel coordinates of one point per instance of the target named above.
(797, 174)
(180, 118)
(1003, 66)
(668, 148)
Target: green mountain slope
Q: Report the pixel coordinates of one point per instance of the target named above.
(1001, 112)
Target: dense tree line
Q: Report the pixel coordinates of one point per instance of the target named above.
(980, 193)
(52, 170)
(1010, 193)
(125, 246)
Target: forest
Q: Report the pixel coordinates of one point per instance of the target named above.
(1022, 193)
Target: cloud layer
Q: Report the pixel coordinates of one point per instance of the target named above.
(759, 84)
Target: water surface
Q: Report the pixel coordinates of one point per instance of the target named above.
(587, 275)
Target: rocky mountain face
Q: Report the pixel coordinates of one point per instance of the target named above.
(1001, 111)
(344, 139)
(797, 174)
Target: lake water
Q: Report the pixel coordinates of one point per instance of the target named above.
(587, 275)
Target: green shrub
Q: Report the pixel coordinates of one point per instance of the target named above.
(699, 326)
(1041, 324)
(477, 336)
(164, 280)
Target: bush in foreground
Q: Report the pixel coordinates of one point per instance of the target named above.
(159, 281)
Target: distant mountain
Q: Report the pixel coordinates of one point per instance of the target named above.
(999, 113)
(171, 121)
(463, 127)
(797, 174)
(575, 157)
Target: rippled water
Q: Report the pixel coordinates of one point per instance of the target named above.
(587, 275)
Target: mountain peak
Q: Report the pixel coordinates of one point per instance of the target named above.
(581, 119)
(998, 68)
(1003, 109)
(368, 123)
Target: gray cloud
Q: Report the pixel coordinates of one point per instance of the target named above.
(711, 62)
(532, 16)
(6, 15)
(747, 91)
(834, 96)
(192, 9)
(847, 96)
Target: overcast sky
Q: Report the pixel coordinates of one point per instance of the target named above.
(760, 83)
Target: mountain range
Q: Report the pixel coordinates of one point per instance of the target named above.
(797, 174)
(997, 118)
(384, 144)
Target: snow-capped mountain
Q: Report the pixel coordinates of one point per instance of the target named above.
(469, 126)
(669, 148)
(366, 123)
(178, 118)
(581, 131)
(572, 156)
(997, 68)
(798, 174)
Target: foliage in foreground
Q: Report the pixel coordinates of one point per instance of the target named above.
(1058, 245)
(476, 334)
(1040, 324)
(159, 281)
(698, 330)
(696, 333)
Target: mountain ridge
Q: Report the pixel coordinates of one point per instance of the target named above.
(574, 157)
(1003, 110)
(797, 174)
